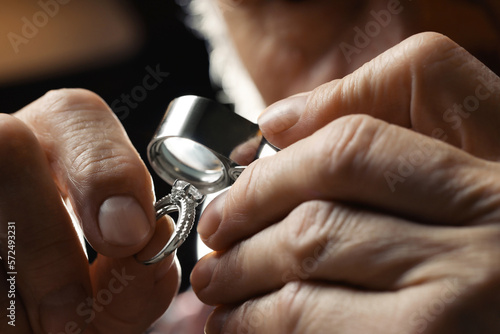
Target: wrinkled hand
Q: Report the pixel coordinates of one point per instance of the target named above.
(367, 223)
(68, 144)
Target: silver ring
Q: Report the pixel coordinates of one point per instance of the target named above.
(206, 145)
(184, 198)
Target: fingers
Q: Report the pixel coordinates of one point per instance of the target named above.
(73, 142)
(128, 296)
(305, 307)
(327, 242)
(97, 167)
(427, 83)
(356, 159)
(116, 282)
(52, 270)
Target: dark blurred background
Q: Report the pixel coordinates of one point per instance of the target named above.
(109, 47)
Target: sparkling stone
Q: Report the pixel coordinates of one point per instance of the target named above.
(188, 189)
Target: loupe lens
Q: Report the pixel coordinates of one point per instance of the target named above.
(204, 143)
(190, 160)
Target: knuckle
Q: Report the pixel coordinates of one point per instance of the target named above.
(70, 113)
(295, 308)
(309, 219)
(279, 312)
(431, 47)
(69, 99)
(431, 40)
(106, 165)
(284, 312)
(95, 147)
(249, 318)
(77, 117)
(317, 230)
(291, 303)
(347, 146)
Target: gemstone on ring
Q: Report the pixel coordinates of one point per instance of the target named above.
(183, 198)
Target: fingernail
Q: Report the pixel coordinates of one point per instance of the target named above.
(216, 321)
(122, 221)
(282, 115)
(59, 310)
(201, 276)
(211, 217)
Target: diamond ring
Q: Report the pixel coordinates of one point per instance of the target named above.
(205, 144)
(183, 198)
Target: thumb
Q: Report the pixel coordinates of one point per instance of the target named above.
(96, 167)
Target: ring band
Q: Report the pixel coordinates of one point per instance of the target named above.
(184, 198)
(205, 145)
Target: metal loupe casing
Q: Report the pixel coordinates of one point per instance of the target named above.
(204, 143)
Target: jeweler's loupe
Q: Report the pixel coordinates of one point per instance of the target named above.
(204, 143)
(200, 147)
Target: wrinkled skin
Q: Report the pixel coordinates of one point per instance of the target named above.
(380, 214)
(69, 143)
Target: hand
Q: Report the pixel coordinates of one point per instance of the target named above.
(360, 225)
(69, 144)
(427, 83)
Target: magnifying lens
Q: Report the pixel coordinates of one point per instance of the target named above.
(200, 147)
